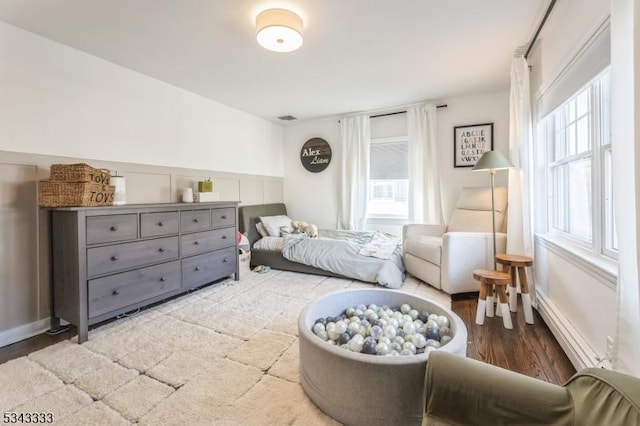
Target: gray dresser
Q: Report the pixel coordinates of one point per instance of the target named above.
(110, 260)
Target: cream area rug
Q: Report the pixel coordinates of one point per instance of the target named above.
(226, 354)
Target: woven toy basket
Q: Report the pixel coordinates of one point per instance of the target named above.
(79, 172)
(74, 194)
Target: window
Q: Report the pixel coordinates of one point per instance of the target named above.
(578, 146)
(389, 178)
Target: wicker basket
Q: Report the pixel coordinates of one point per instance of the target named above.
(80, 172)
(74, 194)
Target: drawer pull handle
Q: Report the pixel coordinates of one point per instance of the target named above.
(196, 220)
(224, 237)
(223, 217)
(114, 228)
(196, 243)
(161, 250)
(161, 224)
(163, 279)
(115, 292)
(197, 268)
(114, 258)
(224, 260)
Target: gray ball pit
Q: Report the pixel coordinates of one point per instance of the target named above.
(358, 389)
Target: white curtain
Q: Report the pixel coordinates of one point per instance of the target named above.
(355, 138)
(519, 226)
(625, 136)
(425, 200)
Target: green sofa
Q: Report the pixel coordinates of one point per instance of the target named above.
(462, 391)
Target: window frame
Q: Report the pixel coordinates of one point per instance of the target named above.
(602, 219)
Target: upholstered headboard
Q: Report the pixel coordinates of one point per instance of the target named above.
(250, 215)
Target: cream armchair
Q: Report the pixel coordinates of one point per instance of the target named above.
(445, 256)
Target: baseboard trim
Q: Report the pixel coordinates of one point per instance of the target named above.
(574, 345)
(22, 332)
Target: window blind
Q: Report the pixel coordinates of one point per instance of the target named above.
(588, 63)
(389, 160)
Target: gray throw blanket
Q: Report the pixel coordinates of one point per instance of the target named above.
(338, 252)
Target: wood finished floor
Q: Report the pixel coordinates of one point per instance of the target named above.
(526, 349)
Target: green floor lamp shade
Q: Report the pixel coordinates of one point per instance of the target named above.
(490, 162)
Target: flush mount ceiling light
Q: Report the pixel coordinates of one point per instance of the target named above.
(279, 30)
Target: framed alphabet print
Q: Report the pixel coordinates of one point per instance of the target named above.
(470, 142)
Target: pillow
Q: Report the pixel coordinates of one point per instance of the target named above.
(261, 230)
(269, 243)
(273, 224)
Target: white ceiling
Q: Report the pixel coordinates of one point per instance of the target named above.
(358, 55)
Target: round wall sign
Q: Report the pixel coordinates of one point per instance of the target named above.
(315, 155)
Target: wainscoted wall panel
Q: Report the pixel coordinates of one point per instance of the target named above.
(229, 189)
(273, 192)
(144, 188)
(18, 244)
(25, 230)
(251, 191)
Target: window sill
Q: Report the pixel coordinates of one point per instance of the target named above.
(605, 269)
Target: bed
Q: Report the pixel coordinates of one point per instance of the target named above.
(386, 272)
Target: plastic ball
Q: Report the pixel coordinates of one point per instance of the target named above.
(406, 352)
(390, 331)
(354, 326)
(376, 331)
(323, 335)
(350, 312)
(443, 321)
(445, 331)
(433, 317)
(369, 347)
(433, 333)
(340, 327)
(377, 322)
(409, 327)
(362, 307)
(318, 327)
(424, 316)
(393, 353)
(398, 339)
(431, 343)
(355, 345)
(395, 346)
(419, 340)
(405, 308)
(414, 314)
(382, 348)
(410, 346)
(343, 338)
(384, 339)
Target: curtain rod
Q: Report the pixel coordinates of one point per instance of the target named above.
(400, 112)
(537, 33)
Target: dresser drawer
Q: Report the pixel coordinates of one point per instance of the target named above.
(204, 268)
(111, 228)
(127, 288)
(195, 220)
(206, 241)
(106, 259)
(223, 217)
(157, 224)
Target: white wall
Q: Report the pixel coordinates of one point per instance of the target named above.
(313, 196)
(60, 101)
(59, 104)
(576, 297)
(461, 111)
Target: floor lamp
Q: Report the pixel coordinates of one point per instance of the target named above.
(492, 161)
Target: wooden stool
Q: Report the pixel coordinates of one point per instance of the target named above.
(515, 262)
(488, 279)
